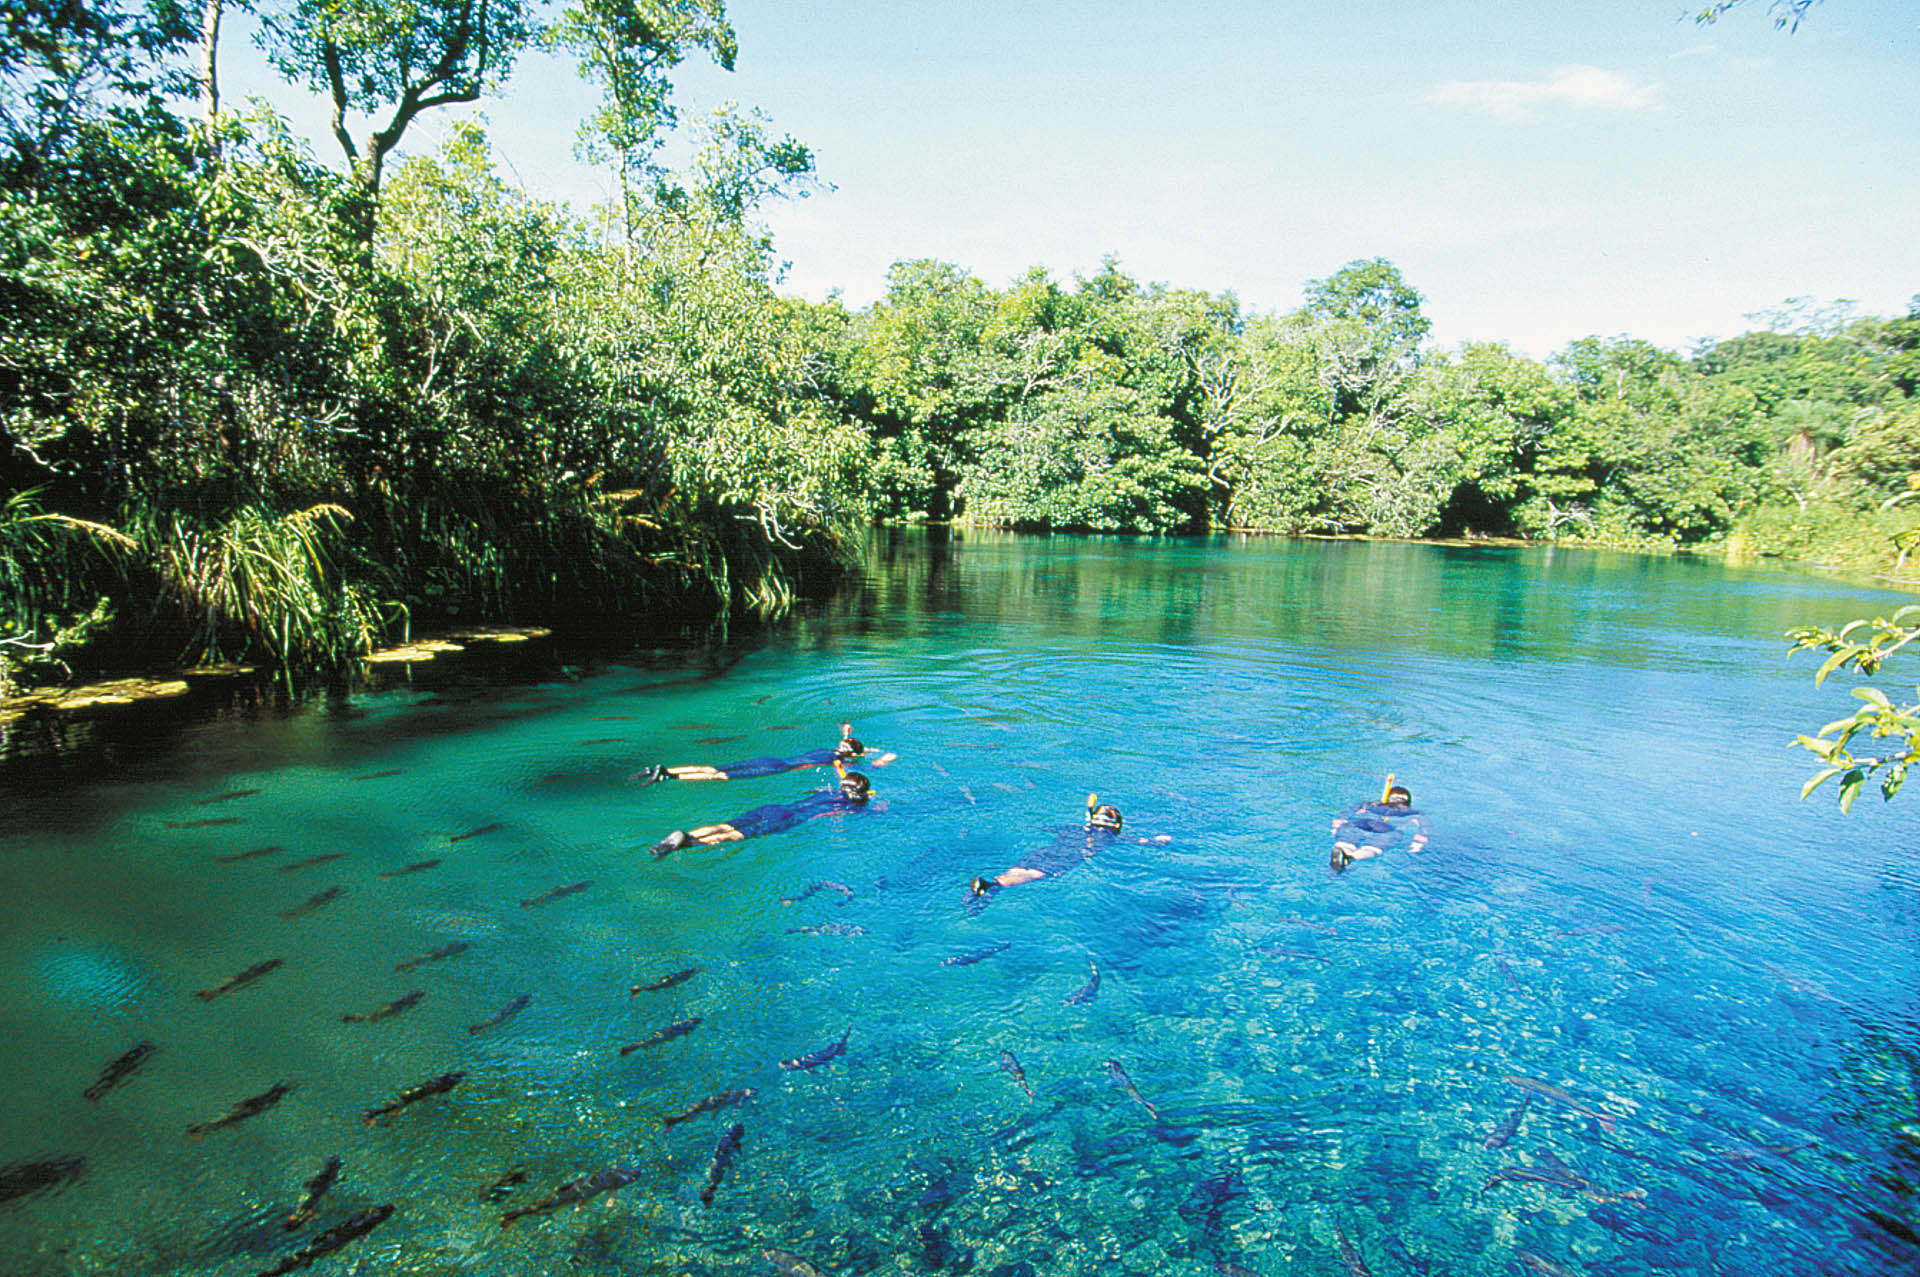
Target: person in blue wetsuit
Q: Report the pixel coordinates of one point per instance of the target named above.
(846, 751)
(852, 793)
(1071, 848)
(1372, 829)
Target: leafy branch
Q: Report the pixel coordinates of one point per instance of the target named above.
(1878, 717)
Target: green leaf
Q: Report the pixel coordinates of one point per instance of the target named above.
(1850, 786)
(1833, 663)
(1824, 748)
(1814, 784)
(1875, 696)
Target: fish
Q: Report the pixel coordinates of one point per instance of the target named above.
(1541, 1266)
(414, 868)
(716, 740)
(119, 1071)
(207, 823)
(556, 894)
(1559, 1097)
(1278, 951)
(1119, 1074)
(722, 1158)
(333, 1239)
(252, 1106)
(499, 1190)
(316, 1188)
(603, 740)
(310, 862)
(665, 981)
(1562, 1177)
(387, 1012)
(788, 1264)
(248, 976)
(978, 955)
(1597, 929)
(1086, 991)
(495, 827)
(708, 1105)
(1504, 1132)
(1012, 1066)
(829, 929)
(507, 1012)
(255, 854)
(813, 1060)
(679, 1028)
(1753, 1152)
(381, 775)
(414, 1094)
(444, 951)
(576, 1191)
(822, 885)
(18, 1179)
(1507, 971)
(314, 902)
(227, 797)
(1356, 1266)
(1797, 983)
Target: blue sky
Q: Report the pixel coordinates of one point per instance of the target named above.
(1540, 171)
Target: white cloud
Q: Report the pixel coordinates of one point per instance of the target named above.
(1588, 88)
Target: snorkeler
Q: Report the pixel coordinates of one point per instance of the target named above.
(1375, 828)
(852, 793)
(847, 750)
(1070, 848)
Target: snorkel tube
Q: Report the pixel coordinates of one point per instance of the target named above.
(1386, 788)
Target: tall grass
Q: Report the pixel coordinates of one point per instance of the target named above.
(259, 580)
(52, 570)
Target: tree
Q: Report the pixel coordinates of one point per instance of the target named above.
(401, 57)
(1787, 14)
(1878, 717)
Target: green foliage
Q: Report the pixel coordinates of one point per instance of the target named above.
(1095, 461)
(50, 578)
(1865, 646)
(1787, 14)
(627, 47)
(258, 581)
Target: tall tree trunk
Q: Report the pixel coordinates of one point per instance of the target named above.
(209, 53)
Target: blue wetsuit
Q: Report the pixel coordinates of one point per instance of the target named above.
(1069, 849)
(775, 817)
(753, 767)
(1382, 825)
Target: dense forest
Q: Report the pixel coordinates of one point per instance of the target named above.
(254, 402)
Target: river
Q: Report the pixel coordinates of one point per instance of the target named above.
(1705, 987)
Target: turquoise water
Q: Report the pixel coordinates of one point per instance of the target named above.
(1622, 900)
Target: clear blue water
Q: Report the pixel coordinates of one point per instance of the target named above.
(1622, 899)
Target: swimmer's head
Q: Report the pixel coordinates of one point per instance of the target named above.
(854, 787)
(848, 746)
(1397, 796)
(1102, 815)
